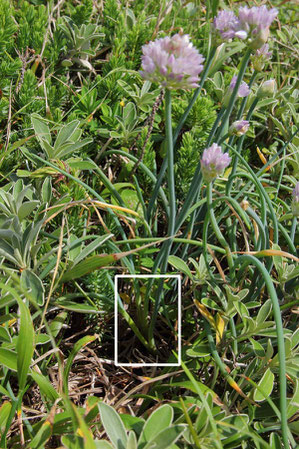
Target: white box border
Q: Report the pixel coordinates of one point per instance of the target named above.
(147, 276)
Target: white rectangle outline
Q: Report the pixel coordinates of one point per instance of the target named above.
(142, 276)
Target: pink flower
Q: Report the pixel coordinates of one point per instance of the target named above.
(172, 62)
(239, 128)
(213, 162)
(252, 24)
(224, 23)
(243, 90)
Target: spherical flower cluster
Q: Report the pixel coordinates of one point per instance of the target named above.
(213, 162)
(251, 24)
(172, 62)
(225, 23)
(295, 200)
(239, 127)
(261, 57)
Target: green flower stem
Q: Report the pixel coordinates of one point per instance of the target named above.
(262, 190)
(218, 233)
(165, 250)
(234, 94)
(280, 340)
(289, 239)
(197, 182)
(137, 332)
(246, 188)
(177, 131)
(239, 148)
(146, 171)
(197, 179)
(170, 174)
(293, 230)
(176, 239)
(245, 99)
(190, 425)
(261, 243)
(217, 359)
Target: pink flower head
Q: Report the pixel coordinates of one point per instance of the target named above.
(239, 128)
(251, 24)
(243, 91)
(213, 162)
(172, 62)
(224, 23)
(255, 22)
(295, 200)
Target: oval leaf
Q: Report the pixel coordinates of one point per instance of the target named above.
(265, 386)
(113, 426)
(159, 420)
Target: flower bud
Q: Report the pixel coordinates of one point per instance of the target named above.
(239, 128)
(243, 91)
(267, 89)
(261, 57)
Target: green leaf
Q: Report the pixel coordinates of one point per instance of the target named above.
(275, 441)
(159, 420)
(132, 441)
(25, 344)
(77, 347)
(180, 265)
(166, 438)
(76, 307)
(42, 436)
(5, 409)
(57, 323)
(65, 134)
(258, 348)
(31, 282)
(87, 266)
(4, 334)
(78, 164)
(41, 129)
(26, 209)
(45, 386)
(265, 386)
(102, 444)
(264, 312)
(113, 426)
(47, 190)
(233, 427)
(92, 247)
(201, 350)
(8, 358)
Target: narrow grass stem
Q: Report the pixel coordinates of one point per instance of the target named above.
(233, 96)
(239, 149)
(293, 229)
(217, 231)
(248, 259)
(172, 208)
